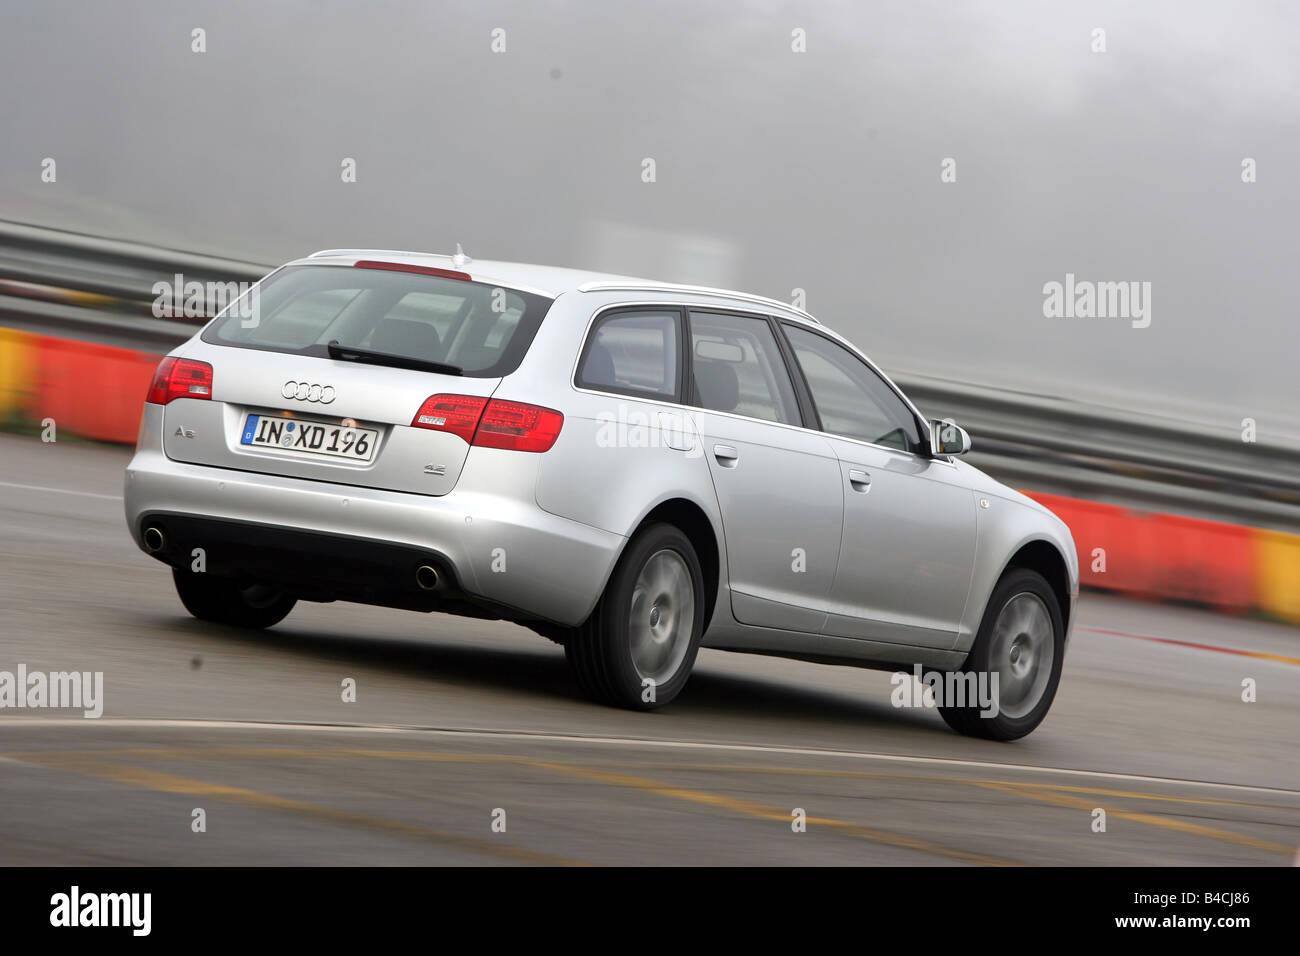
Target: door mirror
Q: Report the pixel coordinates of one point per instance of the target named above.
(948, 438)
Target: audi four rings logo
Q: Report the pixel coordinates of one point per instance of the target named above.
(306, 392)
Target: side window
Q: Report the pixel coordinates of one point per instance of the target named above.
(851, 399)
(738, 368)
(635, 353)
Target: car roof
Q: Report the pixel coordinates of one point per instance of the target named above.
(550, 281)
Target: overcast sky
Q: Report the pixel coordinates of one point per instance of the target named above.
(774, 169)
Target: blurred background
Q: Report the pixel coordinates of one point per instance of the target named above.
(798, 149)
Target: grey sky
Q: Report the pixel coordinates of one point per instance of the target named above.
(775, 170)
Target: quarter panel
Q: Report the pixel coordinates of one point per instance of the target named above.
(615, 458)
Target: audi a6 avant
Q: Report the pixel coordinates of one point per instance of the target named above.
(631, 469)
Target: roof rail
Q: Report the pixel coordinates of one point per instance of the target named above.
(370, 252)
(693, 290)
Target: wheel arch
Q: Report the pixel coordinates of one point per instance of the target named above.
(1045, 558)
(694, 522)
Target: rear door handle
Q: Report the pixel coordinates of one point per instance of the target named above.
(727, 455)
(859, 480)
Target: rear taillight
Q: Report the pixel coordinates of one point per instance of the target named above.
(180, 378)
(458, 414)
(517, 426)
(491, 424)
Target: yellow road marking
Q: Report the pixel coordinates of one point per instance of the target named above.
(1033, 792)
(300, 754)
(169, 783)
(1136, 795)
(587, 740)
(927, 778)
(764, 812)
(68, 759)
(1048, 793)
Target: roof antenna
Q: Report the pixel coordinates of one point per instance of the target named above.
(460, 259)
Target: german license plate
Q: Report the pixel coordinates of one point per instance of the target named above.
(311, 438)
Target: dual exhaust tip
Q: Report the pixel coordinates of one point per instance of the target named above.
(154, 540)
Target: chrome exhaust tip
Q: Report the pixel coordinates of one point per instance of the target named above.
(426, 577)
(154, 540)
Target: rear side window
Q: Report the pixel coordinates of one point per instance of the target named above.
(481, 329)
(738, 368)
(633, 353)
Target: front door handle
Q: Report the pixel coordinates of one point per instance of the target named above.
(727, 455)
(859, 480)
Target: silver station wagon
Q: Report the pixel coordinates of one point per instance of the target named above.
(631, 469)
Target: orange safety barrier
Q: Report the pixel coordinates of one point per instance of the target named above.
(1150, 555)
(1114, 544)
(17, 351)
(96, 391)
(1277, 578)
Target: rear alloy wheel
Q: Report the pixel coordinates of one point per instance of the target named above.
(637, 648)
(1022, 641)
(227, 601)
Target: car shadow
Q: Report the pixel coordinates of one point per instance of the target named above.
(543, 673)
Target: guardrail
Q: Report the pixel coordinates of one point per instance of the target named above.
(102, 290)
(1118, 456)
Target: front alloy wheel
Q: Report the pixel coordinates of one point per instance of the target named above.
(1018, 650)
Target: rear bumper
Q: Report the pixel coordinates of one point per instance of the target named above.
(492, 545)
(311, 564)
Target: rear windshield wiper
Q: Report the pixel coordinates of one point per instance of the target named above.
(350, 353)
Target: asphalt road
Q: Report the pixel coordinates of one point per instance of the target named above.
(458, 723)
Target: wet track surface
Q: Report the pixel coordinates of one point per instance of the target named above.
(455, 719)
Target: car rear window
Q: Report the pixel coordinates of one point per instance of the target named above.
(482, 329)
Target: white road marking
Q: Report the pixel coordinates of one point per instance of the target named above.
(60, 491)
(522, 735)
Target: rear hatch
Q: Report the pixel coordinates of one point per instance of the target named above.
(326, 372)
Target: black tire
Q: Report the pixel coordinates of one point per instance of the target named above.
(601, 650)
(227, 601)
(1015, 584)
